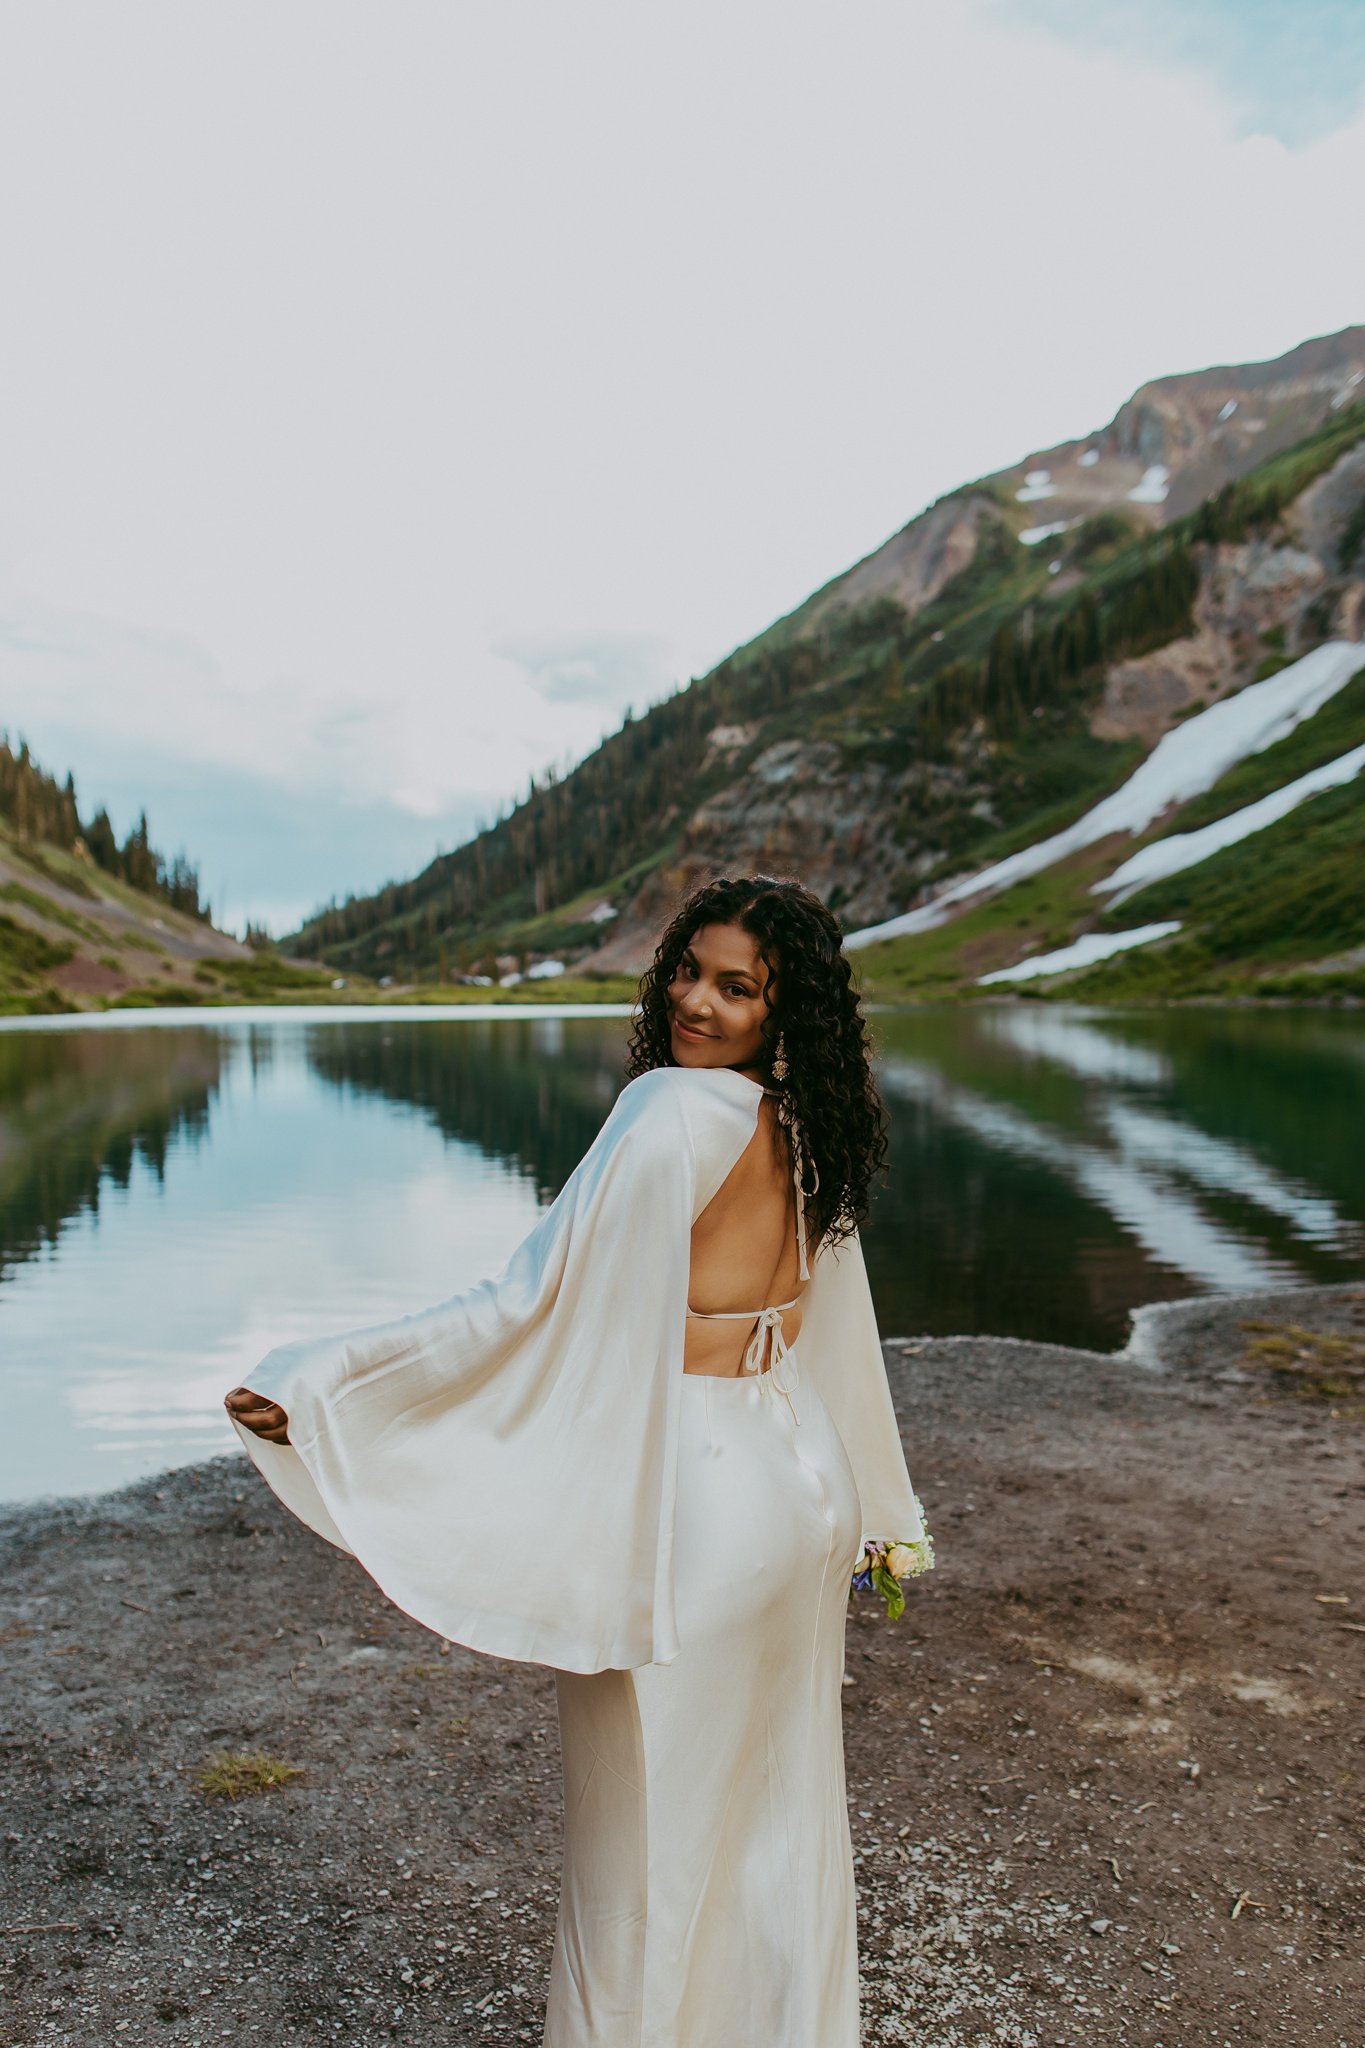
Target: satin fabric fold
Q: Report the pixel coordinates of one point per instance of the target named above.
(708, 1894)
(535, 1415)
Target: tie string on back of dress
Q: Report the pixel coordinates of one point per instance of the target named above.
(768, 1335)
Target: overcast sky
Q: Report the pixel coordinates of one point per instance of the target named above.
(390, 393)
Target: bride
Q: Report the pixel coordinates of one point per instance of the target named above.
(675, 1391)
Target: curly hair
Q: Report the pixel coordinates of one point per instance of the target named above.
(828, 1104)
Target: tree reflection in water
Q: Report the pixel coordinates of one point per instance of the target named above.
(530, 1092)
(79, 1109)
(1050, 1168)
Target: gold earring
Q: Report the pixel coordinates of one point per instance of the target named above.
(780, 1067)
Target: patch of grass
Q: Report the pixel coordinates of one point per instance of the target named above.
(1339, 726)
(1291, 896)
(1037, 915)
(158, 995)
(1313, 1365)
(52, 913)
(1296, 898)
(51, 862)
(1270, 665)
(24, 952)
(239, 1774)
(266, 973)
(35, 1002)
(1344, 983)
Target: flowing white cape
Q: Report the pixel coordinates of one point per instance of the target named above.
(503, 1464)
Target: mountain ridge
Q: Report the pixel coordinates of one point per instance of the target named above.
(1008, 654)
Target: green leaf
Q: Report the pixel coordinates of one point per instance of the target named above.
(889, 1586)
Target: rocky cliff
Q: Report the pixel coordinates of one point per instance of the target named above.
(1004, 658)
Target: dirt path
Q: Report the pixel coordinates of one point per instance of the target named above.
(1129, 1697)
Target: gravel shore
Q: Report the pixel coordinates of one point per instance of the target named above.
(1104, 1775)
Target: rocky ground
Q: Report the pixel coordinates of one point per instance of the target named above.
(1104, 1776)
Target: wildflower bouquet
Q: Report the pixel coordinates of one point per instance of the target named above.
(881, 1566)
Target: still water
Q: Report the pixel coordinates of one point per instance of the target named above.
(177, 1196)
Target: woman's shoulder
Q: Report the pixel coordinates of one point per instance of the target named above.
(710, 1112)
(669, 1087)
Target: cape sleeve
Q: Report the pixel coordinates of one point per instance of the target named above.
(504, 1464)
(840, 1351)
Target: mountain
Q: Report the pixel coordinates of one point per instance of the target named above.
(84, 921)
(87, 924)
(974, 686)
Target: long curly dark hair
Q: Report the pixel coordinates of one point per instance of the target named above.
(828, 1104)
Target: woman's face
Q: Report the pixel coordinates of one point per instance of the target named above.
(716, 1009)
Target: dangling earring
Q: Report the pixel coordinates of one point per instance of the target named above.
(780, 1069)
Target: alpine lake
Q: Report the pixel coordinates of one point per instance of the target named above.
(180, 1193)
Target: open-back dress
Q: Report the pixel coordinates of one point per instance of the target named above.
(705, 1530)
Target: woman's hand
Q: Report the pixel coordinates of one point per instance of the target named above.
(261, 1417)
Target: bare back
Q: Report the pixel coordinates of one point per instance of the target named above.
(744, 1252)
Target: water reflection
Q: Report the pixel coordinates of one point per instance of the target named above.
(77, 1115)
(174, 1201)
(1053, 1168)
(533, 1094)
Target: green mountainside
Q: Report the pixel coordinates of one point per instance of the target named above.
(967, 690)
(85, 921)
(977, 684)
(88, 924)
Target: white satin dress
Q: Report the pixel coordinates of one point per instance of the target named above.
(707, 1897)
(700, 1536)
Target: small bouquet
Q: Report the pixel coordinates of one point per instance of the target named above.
(881, 1566)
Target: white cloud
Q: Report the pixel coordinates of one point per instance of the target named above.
(388, 396)
(1292, 72)
(617, 671)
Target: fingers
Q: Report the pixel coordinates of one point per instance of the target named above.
(244, 1404)
(272, 1426)
(263, 1418)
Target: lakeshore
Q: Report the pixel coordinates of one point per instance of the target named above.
(1103, 1776)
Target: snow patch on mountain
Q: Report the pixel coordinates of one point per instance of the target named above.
(1184, 763)
(1186, 849)
(1082, 953)
(1153, 487)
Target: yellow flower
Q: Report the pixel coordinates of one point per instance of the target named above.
(905, 1559)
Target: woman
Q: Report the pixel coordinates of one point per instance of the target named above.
(674, 1388)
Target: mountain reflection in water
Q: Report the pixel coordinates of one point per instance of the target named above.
(534, 1097)
(174, 1201)
(78, 1113)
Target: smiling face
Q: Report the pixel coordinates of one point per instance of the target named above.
(716, 1007)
